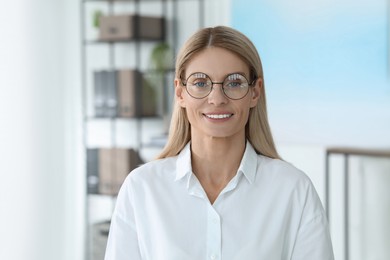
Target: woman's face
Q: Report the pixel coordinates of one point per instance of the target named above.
(216, 115)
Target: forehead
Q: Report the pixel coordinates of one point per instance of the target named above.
(216, 62)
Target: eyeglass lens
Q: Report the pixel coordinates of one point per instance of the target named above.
(199, 85)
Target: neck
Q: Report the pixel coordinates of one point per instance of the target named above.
(217, 149)
(215, 162)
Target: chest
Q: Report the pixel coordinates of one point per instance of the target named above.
(185, 225)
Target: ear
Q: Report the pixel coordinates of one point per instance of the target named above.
(255, 92)
(179, 93)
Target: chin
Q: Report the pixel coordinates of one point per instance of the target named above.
(222, 135)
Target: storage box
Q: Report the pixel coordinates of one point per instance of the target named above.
(114, 165)
(129, 27)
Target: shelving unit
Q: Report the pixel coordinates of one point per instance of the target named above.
(110, 131)
(121, 132)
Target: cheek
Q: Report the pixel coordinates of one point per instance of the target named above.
(245, 113)
(191, 110)
(245, 117)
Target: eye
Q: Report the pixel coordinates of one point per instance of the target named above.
(199, 80)
(200, 84)
(235, 81)
(233, 84)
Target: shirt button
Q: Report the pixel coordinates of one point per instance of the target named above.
(215, 221)
(213, 257)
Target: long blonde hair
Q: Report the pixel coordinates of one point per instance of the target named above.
(257, 129)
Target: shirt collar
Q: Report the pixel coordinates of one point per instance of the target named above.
(183, 163)
(248, 165)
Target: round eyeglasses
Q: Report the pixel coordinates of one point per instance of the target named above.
(235, 86)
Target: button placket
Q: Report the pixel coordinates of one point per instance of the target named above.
(214, 234)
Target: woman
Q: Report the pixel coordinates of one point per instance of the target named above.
(218, 189)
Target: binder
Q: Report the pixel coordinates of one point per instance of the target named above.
(106, 93)
(129, 93)
(99, 95)
(92, 171)
(106, 171)
(111, 98)
(137, 97)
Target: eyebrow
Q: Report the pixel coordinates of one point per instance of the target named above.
(225, 76)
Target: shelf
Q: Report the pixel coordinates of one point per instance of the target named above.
(92, 118)
(127, 41)
(121, 1)
(146, 135)
(99, 194)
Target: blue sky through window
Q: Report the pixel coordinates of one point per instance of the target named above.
(326, 67)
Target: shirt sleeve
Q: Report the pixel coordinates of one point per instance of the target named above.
(313, 239)
(122, 241)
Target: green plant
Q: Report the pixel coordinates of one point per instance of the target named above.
(162, 57)
(96, 18)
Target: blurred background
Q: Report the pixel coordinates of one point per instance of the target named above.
(327, 78)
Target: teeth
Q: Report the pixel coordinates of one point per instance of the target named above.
(219, 116)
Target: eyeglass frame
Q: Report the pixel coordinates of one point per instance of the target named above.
(250, 84)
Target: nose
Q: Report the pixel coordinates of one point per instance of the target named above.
(216, 96)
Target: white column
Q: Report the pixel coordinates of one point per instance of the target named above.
(40, 185)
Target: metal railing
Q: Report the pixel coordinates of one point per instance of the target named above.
(347, 153)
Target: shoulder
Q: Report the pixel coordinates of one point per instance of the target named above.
(280, 170)
(156, 171)
(285, 179)
(290, 182)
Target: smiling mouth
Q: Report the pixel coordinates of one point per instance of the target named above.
(220, 116)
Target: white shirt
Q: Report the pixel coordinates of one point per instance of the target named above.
(268, 211)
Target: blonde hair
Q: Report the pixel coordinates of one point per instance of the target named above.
(257, 129)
